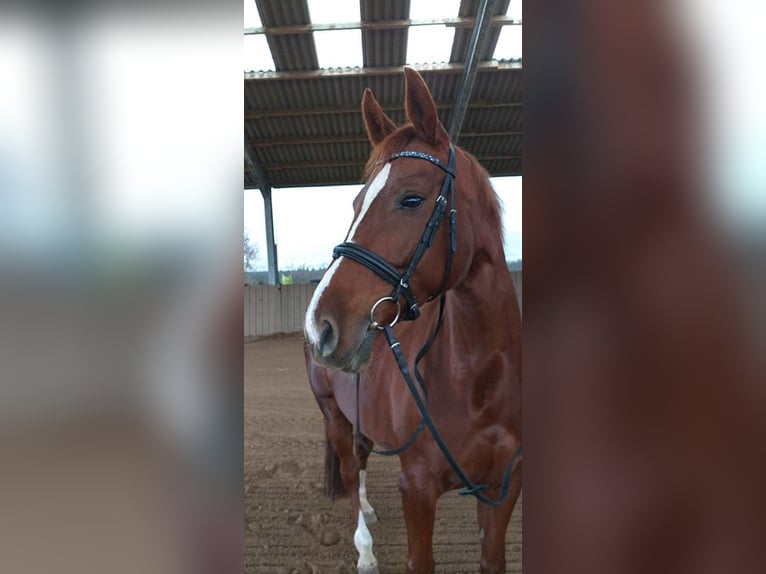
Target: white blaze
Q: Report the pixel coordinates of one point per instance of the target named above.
(312, 331)
(377, 184)
(310, 327)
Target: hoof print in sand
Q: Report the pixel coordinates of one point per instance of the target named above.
(315, 524)
(309, 568)
(285, 468)
(329, 536)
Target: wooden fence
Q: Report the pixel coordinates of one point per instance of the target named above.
(272, 309)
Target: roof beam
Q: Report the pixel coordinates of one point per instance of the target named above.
(476, 47)
(502, 20)
(449, 68)
(293, 112)
(359, 139)
(314, 182)
(350, 163)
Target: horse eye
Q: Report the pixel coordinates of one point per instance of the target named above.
(411, 202)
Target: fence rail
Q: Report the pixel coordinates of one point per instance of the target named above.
(274, 309)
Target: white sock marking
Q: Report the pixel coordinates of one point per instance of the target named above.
(363, 502)
(363, 543)
(377, 184)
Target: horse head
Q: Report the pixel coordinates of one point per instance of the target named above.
(402, 199)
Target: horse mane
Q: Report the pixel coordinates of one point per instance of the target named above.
(487, 195)
(400, 139)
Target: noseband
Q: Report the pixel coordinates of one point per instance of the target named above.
(387, 271)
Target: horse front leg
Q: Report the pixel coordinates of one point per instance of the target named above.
(362, 454)
(419, 495)
(493, 525)
(340, 434)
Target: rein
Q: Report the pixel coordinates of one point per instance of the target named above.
(470, 487)
(400, 282)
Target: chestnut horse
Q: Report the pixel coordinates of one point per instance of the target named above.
(428, 223)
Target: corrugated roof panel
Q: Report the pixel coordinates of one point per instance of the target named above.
(342, 90)
(387, 89)
(384, 47)
(373, 10)
(468, 9)
(308, 130)
(492, 119)
(492, 146)
(349, 153)
(326, 91)
(444, 87)
(503, 167)
(306, 126)
(306, 177)
(283, 12)
(497, 86)
(293, 52)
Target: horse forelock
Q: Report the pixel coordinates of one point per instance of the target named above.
(396, 141)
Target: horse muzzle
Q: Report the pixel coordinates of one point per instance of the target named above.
(328, 352)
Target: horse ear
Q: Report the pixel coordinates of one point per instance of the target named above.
(421, 109)
(378, 124)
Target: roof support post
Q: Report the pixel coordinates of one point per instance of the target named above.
(271, 246)
(478, 41)
(264, 184)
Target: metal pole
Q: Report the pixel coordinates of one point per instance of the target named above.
(265, 186)
(478, 41)
(271, 246)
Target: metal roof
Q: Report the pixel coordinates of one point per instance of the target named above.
(303, 124)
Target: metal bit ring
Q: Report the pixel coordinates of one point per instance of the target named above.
(374, 323)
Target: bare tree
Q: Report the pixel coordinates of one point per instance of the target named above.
(251, 253)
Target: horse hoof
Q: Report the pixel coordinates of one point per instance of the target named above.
(368, 570)
(370, 517)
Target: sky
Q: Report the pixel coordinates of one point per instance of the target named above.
(302, 242)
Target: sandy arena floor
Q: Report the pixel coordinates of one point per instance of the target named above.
(290, 526)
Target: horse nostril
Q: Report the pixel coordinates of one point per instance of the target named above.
(328, 340)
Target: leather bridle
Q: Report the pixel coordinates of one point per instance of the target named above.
(387, 271)
(402, 288)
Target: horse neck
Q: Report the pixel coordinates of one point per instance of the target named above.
(487, 269)
(482, 336)
(487, 287)
(488, 273)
